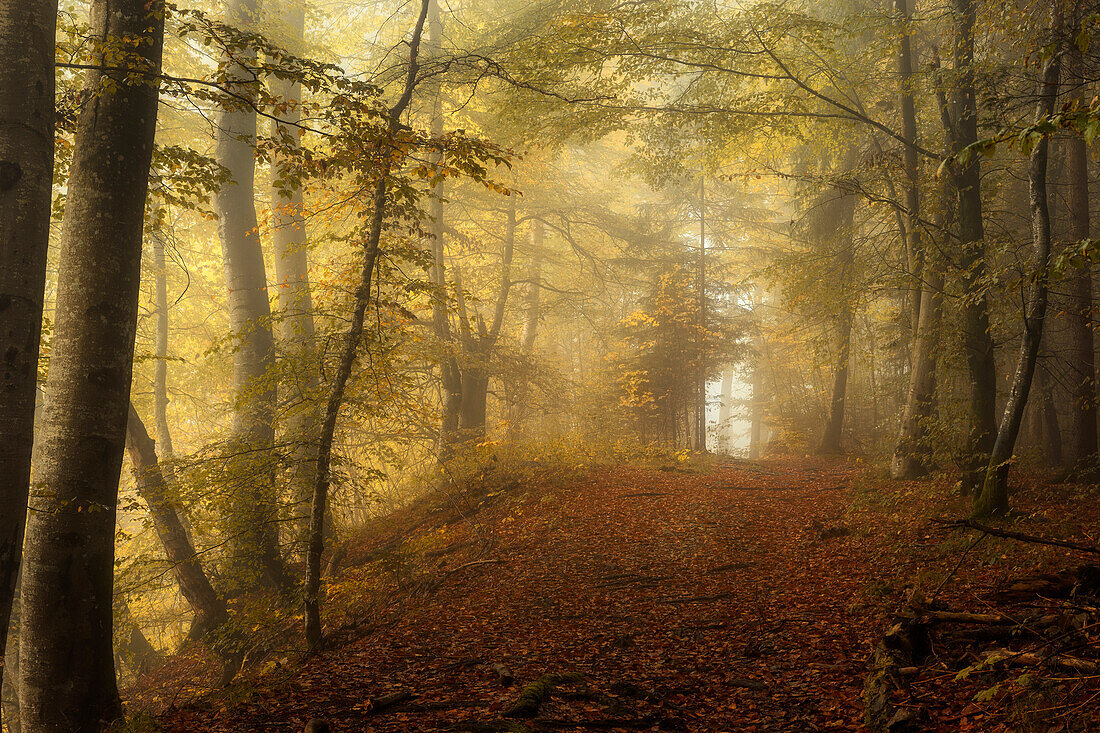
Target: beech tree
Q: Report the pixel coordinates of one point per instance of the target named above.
(69, 560)
(26, 180)
(253, 508)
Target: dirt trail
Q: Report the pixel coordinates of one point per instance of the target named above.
(701, 602)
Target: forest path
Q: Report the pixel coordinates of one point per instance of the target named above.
(689, 601)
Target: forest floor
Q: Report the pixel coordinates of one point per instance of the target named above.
(740, 596)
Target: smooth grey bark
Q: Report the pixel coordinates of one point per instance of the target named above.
(350, 349)
(253, 507)
(1079, 310)
(993, 498)
(977, 339)
(160, 367)
(297, 330)
(450, 372)
(66, 659)
(27, 30)
(208, 608)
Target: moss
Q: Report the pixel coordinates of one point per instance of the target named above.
(533, 695)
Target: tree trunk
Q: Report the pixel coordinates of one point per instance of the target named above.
(911, 453)
(195, 587)
(316, 547)
(475, 397)
(1079, 311)
(252, 508)
(521, 409)
(699, 429)
(836, 224)
(65, 646)
(1051, 432)
(450, 372)
(926, 282)
(532, 309)
(297, 330)
(160, 368)
(478, 345)
(26, 179)
(834, 427)
(913, 249)
(978, 342)
(993, 498)
(725, 414)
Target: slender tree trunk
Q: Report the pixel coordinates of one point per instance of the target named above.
(532, 309)
(926, 282)
(1079, 311)
(756, 412)
(834, 427)
(521, 408)
(699, 429)
(160, 368)
(993, 498)
(312, 600)
(209, 610)
(978, 341)
(134, 648)
(450, 372)
(911, 452)
(297, 330)
(1050, 432)
(252, 508)
(725, 413)
(65, 646)
(914, 250)
(836, 224)
(26, 179)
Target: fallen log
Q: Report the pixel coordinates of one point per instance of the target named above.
(901, 648)
(1030, 659)
(383, 702)
(533, 695)
(960, 617)
(1018, 536)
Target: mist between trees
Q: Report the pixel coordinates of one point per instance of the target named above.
(294, 265)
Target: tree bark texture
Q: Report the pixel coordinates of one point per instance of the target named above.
(977, 339)
(65, 646)
(26, 179)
